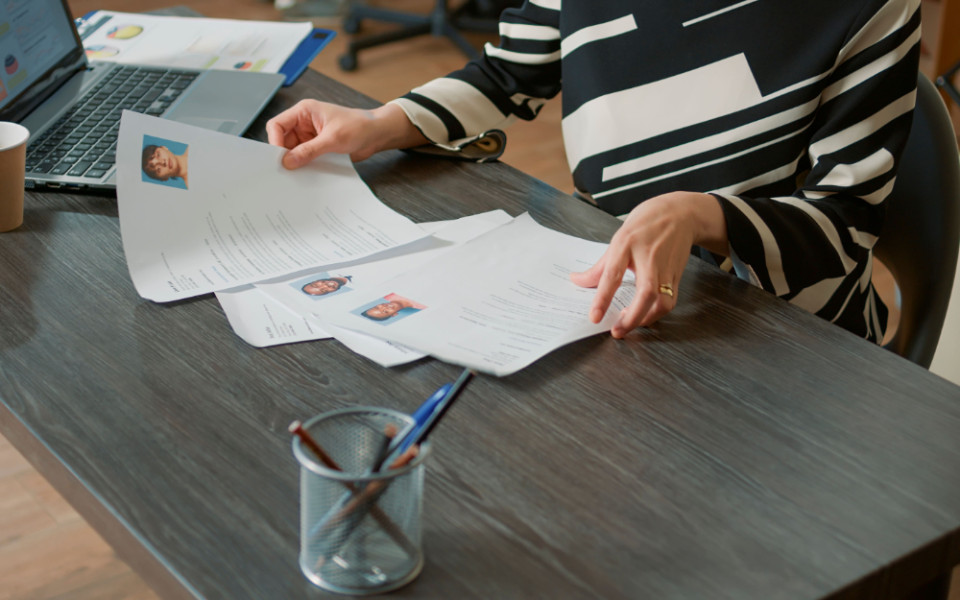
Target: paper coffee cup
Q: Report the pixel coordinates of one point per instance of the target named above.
(13, 156)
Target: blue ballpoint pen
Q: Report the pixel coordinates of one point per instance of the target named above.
(431, 417)
(420, 417)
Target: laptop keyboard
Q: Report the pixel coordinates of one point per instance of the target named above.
(83, 142)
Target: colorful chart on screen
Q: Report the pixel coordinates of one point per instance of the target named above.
(10, 64)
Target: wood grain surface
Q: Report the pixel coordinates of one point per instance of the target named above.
(739, 449)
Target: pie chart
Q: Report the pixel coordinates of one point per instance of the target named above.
(10, 64)
(99, 51)
(124, 32)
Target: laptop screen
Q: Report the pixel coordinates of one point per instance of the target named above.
(39, 49)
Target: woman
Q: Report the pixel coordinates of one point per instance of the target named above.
(765, 132)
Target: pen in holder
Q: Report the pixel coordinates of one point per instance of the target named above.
(360, 529)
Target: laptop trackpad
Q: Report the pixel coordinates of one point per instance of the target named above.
(225, 126)
(226, 101)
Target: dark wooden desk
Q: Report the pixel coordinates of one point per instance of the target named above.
(741, 449)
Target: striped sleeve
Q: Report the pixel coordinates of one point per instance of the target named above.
(510, 81)
(813, 248)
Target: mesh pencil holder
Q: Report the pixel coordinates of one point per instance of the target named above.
(360, 531)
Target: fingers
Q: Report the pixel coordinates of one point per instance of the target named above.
(649, 304)
(615, 264)
(606, 275)
(299, 129)
(305, 152)
(655, 244)
(591, 277)
(311, 128)
(281, 128)
(275, 132)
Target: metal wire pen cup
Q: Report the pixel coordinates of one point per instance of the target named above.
(360, 530)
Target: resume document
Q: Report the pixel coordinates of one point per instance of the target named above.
(312, 253)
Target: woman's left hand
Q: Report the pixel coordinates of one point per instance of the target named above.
(654, 242)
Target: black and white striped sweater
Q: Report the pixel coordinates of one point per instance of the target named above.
(792, 113)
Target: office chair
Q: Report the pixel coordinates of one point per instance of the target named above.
(472, 15)
(921, 234)
(945, 82)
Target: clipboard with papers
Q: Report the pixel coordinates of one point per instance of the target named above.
(202, 43)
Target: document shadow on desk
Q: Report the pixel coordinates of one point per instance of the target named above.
(696, 316)
(34, 209)
(683, 323)
(173, 303)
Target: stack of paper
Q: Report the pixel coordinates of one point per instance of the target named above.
(312, 253)
(187, 42)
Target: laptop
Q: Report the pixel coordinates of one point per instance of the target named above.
(72, 105)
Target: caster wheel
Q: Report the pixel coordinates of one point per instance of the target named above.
(348, 62)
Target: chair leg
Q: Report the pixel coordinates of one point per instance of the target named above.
(348, 61)
(945, 82)
(466, 47)
(440, 22)
(381, 14)
(465, 20)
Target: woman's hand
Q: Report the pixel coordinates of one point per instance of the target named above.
(654, 242)
(311, 128)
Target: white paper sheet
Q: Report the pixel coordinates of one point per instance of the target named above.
(382, 352)
(261, 321)
(238, 216)
(302, 296)
(189, 42)
(254, 312)
(495, 304)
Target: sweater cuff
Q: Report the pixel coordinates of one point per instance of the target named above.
(484, 147)
(742, 269)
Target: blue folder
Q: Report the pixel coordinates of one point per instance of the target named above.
(301, 58)
(296, 63)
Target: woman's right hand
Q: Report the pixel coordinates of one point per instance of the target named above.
(311, 128)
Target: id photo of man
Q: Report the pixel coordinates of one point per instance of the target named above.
(389, 309)
(164, 162)
(323, 285)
